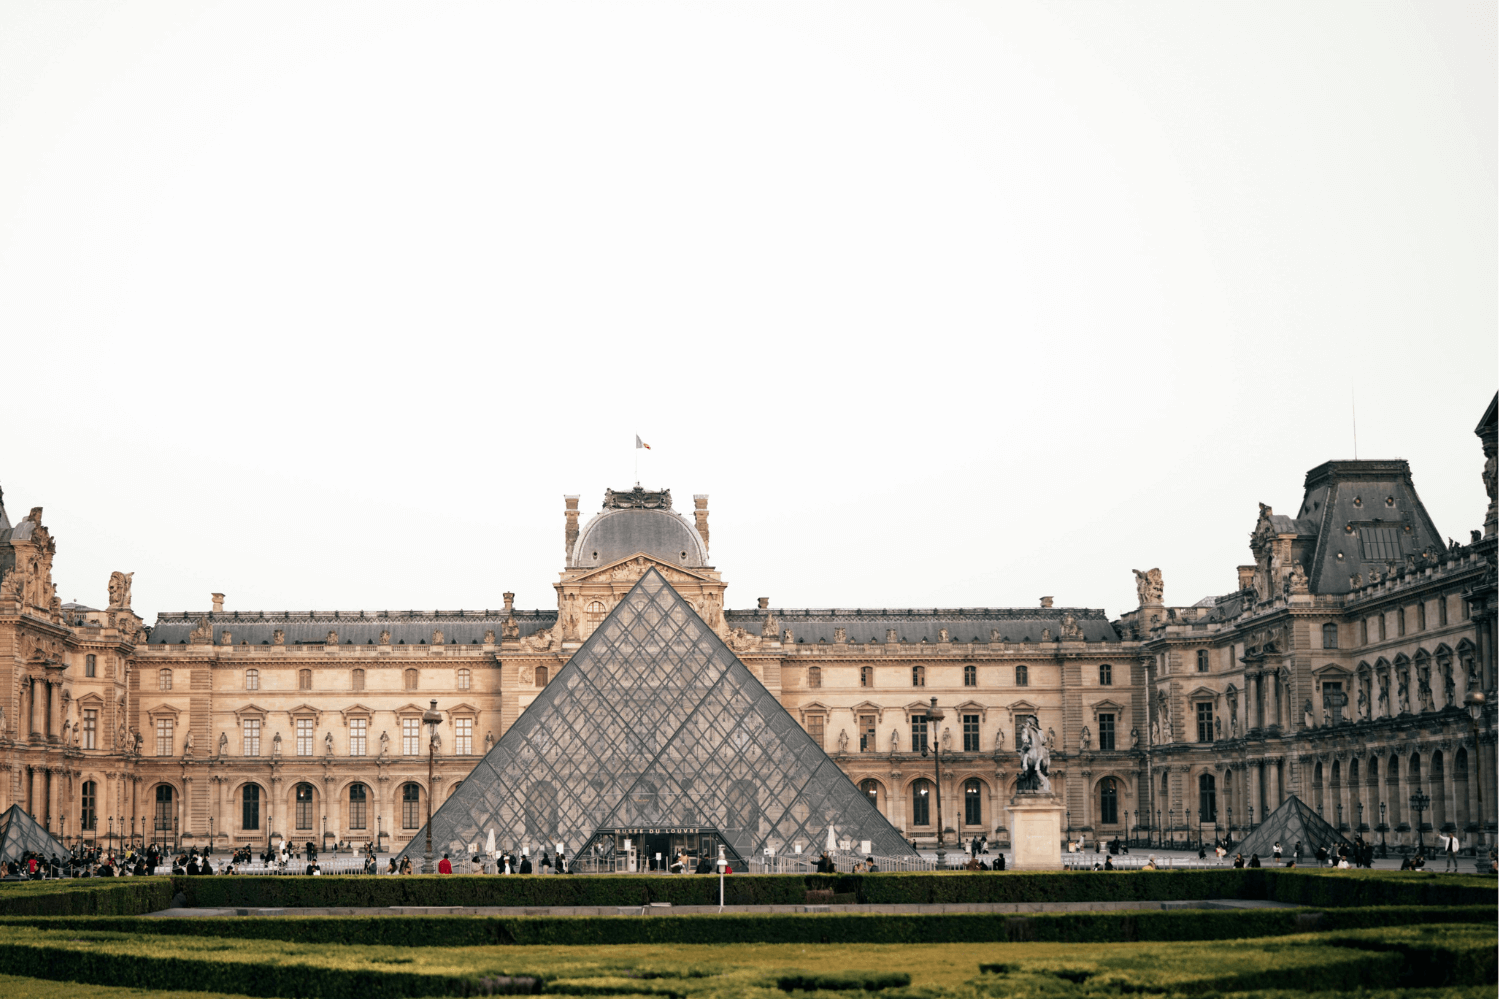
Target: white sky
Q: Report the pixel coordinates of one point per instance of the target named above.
(326, 306)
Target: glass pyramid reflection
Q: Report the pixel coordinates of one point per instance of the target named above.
(20, 834)
(654, 723)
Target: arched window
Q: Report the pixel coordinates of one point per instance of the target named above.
(1022, 676)
(411, 801)
(356, 680)
(542, 676)
(1202, 660)
(973, 803)
(921, 803)
(88, 816)
(252, 679)
(409, 678)
(596, 608)
(918, 676)
(814, 676)
(304, 806)
(970, 675)
(90, 665)
(304, 679)
(249, 816)
(465, 678)
(1108, 801)
(358, 799)
(866, 676)
(1329, 636)
(1207, 798)
(164, 679)
(1105, 675)
(164, 810)
(871, 789)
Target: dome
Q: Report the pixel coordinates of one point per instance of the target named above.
(623, 528)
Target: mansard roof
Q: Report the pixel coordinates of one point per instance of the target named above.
(1367, 516)
(917, 625)
(410, 627)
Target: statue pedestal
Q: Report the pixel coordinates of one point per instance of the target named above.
(1036, 832)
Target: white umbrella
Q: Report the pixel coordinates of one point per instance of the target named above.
(832, 840)
(489, 843)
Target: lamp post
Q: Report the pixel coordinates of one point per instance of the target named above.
(1360, 817)
(1230, 827)
(1340, 815)
(111, 834)
(933, 716)
(1420, 801)
(1251, 818)
(1160, 834)
(1384, 849)
(1474, 703)
(1171, 823)
(432, 718)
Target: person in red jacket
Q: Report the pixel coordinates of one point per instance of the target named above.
(444, 866)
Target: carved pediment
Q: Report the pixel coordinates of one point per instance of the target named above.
(163, 711)
(1021, 708)
(972, 707)
(1113, 707)
(632, 567)
(356, 711)
(1202, 694)
(304, 710)
(464, 710)
(868, 708)
(1332, 671)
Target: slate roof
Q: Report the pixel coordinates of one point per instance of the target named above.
(20, 833)
(459, 627)
(1293, 821)
(915, 625)
(1348, 501)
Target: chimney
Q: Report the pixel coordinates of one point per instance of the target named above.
(1046, 601)
(764, 603)
(700, 501)
(218, 603)
(1246, 576)
(572, 524)
(509, 603)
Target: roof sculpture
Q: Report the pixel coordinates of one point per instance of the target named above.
(1294, 821)
(654, 723)
(21, 834)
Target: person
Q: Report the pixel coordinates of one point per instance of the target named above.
(1343, 864)
(392, 868)
(1254, 860)
(1321, 855)
(1202, 852)
(1150, 864)
(999, 864)
(704, 866)
(871, 866)
(308, 869)
(445, 866)
(1239, 861)
(406, 865)
(1449, 850)
(972, 865)
(1275, 852)
(317, 868)
(1419, 862)
(546, 862)
(1406, 865)
(525, 863)
(370, 867)
(825, 865)
(1296, 853)
(1108, 862)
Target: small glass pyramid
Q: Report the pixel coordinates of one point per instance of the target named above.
(655, 725)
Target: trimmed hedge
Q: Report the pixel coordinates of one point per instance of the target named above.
(1299, 886)
(957, 927)
(1412, 956)
(86, 897)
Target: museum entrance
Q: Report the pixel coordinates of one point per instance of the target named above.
(642, 849)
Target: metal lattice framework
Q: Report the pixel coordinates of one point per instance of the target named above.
(655, 723)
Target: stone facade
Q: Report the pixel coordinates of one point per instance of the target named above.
(1337, 669)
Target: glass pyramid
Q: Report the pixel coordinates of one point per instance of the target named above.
(654, 724)
(20, 834)
(1293, 822)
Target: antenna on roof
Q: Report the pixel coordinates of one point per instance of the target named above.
(1353, 398)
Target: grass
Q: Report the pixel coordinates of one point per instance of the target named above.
(1343, 961)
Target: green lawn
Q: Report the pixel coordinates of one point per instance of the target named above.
(1455, 956)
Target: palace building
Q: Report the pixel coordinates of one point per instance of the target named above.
(1346, 665)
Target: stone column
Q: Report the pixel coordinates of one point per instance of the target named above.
(1449, 789)
(35, 710)
(1259, 700)
(54, 711)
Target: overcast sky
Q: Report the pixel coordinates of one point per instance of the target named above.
(327, 305)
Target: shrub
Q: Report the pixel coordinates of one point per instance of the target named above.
(86, 897)
(973, 927)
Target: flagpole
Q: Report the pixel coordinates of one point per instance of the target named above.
(637, 466)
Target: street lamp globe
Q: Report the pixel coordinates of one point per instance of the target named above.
(1474, 703)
